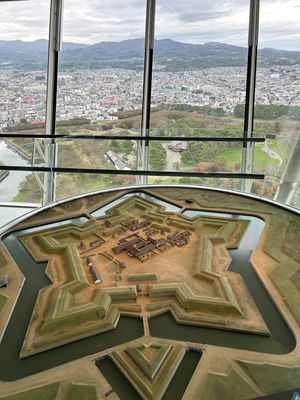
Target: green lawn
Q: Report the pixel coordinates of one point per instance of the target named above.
(280, 147)
(46, 392)
(261, 159)
(82, 392)
(234, 156)
(90, 185)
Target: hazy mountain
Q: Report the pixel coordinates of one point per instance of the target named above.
(168, 52)
(20, 52)
(165, 48)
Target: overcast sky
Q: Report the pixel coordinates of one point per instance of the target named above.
(193, 21)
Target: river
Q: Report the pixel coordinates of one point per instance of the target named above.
(10, 186)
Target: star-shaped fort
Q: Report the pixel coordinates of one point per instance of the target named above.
(166, 292)
(137, 260)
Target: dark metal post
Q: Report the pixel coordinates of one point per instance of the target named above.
(248, 147)
(143, 152)
(54, 47)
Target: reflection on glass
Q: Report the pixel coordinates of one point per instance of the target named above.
(199, 79)
(101, 67)
(200, 66)
(277, 108)
(8, 214)
(23, 65)
(73, 184)
(23, 84)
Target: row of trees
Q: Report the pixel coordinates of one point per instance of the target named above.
(25, 125)
(157, 155)
(217, 111)
(270, 111)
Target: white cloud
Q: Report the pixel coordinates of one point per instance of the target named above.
(195, 21)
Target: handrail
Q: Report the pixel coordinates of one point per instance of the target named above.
(132, 137)
(231, 175)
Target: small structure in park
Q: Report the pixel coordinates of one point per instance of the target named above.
(94, 271)
(136, 247)
(178, 146)
(134, 224)
(125, 245)
(179, 239)
(90, 262)
(150, 230)
(123, 264)
(82, 245)
(107, 224)
(96, 274)
(141, 248)
(4, 281)
(97, 242)
(160, 243)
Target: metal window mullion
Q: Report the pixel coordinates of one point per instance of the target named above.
(143, 155)
(248, 147)
(54, 47)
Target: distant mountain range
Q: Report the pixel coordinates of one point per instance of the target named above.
(167, 52)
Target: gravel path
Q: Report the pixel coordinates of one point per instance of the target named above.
(271, 153)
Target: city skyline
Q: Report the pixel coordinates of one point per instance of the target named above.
(96, 94)
(93, 22)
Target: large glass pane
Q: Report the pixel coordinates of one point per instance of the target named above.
(97, 153)
(101, 66)
(24, 29)
(99, 85)
(20, 186)
(8, 213)
(23, 63)
(277, 108)
(74, 184)
(200, 61)
(278, 78)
